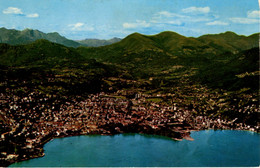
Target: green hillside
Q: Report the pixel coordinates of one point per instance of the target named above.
(232, 71)
(169, 56)
(39, 53)
(215, 60)
(50, 68)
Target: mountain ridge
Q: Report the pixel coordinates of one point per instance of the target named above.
(26, 36)
(176, 45)
(231, 40)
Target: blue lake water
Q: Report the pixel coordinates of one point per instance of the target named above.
(209, 148)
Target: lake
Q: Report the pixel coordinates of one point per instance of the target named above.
(209, 148)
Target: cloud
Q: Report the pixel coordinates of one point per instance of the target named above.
(169, 14)
(129, 25)
(174, 22)
(244, 20)
(17, 11)
(217, 23)
(138, 23)
(194, 9)
(77, 25)
(165, 21)
(165, 13)
(165, 17)
(80, 26)
(199, 19)
(252, 18)
(253, 14)
(33, 15)
(12, 10)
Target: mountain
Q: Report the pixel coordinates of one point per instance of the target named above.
(98, 42)
(171, 55)
(167, 56)
(15, 37)
(177, 45)
(136, 53)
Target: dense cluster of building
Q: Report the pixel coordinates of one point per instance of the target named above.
(29, 121)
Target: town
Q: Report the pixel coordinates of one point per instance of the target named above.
(31, 120)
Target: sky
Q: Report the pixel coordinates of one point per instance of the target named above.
(105, 19)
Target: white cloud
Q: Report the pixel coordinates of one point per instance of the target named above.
(217, 23)
(77, 25)
(174, 22)
(138, 23)
(165, 17)
(129, 25)
(199, 19)
(80, 27)
(253, 14)
(165, 13)
(166, 21)
(12, 10)
(194, 9)
(17, 11)
(33, 15)
(252, 18)
(169, 14)
(244, 20)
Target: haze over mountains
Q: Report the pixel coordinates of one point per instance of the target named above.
(229, 41)
(14, 37)
(98, 42)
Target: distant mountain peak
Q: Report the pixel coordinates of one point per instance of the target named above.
(93, 42)
(115, 38)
